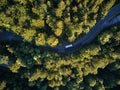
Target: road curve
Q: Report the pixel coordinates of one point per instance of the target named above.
(112, 18)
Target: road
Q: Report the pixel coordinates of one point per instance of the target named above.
(112, 18)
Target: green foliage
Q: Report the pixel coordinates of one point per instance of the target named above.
(4, 59)
(16, 66)
(3, 3)
(40, 40)
(105, 37)
(28, 35)
(2, 85)
(107, 6)
(95, 67)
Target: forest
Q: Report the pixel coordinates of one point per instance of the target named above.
(53, 23)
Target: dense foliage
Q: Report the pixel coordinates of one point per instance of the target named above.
(56, 22)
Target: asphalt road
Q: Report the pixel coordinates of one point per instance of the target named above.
(112, 18)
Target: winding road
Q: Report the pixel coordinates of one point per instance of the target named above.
(112, 18)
